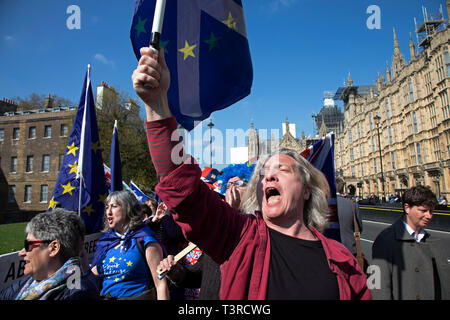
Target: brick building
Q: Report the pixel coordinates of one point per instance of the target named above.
(32, 144)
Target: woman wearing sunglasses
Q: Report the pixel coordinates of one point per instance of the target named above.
(51, 252)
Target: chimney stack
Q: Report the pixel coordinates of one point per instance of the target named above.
(48, 102)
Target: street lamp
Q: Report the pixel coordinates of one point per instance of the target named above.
(210, 125)
(377, 122)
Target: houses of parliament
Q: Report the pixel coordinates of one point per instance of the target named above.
(396, 132)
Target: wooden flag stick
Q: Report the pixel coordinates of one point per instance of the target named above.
(178, 257)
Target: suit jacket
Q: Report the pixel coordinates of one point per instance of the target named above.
(346, 224)
(410, 270)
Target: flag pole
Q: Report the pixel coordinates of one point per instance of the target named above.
(83, 129)
(157, 25)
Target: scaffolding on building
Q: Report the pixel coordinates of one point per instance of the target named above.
(431, 24)
(330, 113)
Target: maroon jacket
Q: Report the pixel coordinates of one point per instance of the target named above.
(240, 242)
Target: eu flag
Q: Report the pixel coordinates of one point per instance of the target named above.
(140, 196)
(116, 163)
(83, 165)
(207, 52)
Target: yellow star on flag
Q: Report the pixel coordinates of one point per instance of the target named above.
(116, 279)
(88, 209)
(230, 22)
(67, 188)
(52, 204)
(102, 197)
(112, 259)
(129, 263)
(188, 50)
(72, 149)
(73, 167)
(95, 146)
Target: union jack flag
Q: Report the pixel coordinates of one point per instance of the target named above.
(321, 156)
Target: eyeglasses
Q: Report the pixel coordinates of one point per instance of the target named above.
(237, 183)
(31, 244)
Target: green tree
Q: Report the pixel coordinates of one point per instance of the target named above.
(134, 154)
(40, 101)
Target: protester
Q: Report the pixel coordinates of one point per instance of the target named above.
(173, 240)
(206, 273)
(152, 204)
(128, 253)
(235, 178)
(53, 246)
(148, 216)
(412, 263)
(257, 250)
(346, 221)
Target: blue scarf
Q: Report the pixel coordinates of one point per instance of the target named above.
(111, 239)
(33, 290)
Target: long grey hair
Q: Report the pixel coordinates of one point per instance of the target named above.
(131, 207)
(315, 212)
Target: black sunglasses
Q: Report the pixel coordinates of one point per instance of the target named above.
(31, 244)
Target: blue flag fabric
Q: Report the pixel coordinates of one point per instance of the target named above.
(116, 163)
(207, 52)
(140, 196)
(321, 156)
(110, 239)
(67, 188)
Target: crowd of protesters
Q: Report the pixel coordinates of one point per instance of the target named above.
(257, 236)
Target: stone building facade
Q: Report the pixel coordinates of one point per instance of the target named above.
(32, 144)
(413, 111)
(259, 145)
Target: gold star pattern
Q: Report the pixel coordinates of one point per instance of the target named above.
(88, 209)
(95, 146)
(67, 188)
(116, 279)
(73, 167)
(72, 149)
(102, 197)
(188, 50)
(230, 22)
(112, 259)
(129, 263)
(52, 204)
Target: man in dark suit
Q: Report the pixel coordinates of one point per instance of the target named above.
(412, 264)
(346, 223)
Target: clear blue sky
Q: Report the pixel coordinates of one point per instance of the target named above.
(299, 49)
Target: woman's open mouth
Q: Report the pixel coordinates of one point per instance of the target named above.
(272, 196)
